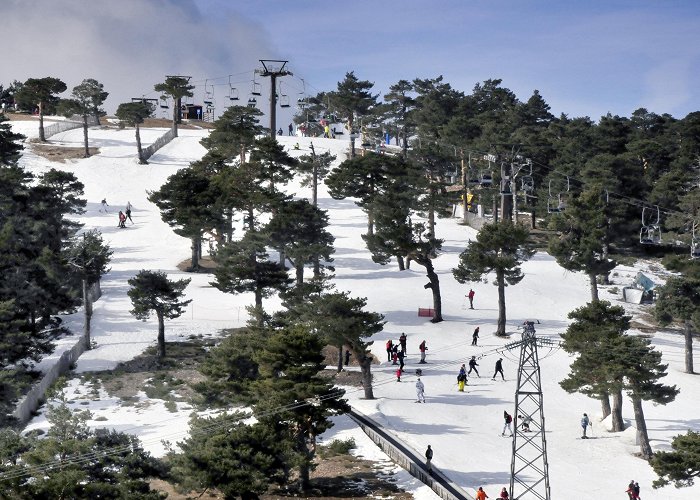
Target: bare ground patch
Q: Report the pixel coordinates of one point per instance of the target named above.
(60, 153)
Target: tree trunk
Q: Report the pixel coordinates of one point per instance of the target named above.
(433, 284)
(533, 219)
(42, 135)
(258, 298)
(618, 425)
(229, 225)
(401, 263)
(605, 405)
(87, 303)
(606, 252)
(365, 362)
(594, 286)
(304, 469)
(688, 347)
(161, 334)
(139, 149)
(195, 254)
(642, 435)
(370, 223)
(176, 110)
(85, 136)
(501, 326)
(340, 358)
(300, 272)
(314, 176)
(495, 209)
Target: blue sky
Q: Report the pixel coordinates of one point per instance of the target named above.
(585, 57)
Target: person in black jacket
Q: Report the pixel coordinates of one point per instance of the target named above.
(472, 366)
(499, 369)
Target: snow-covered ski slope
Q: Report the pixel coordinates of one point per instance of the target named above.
(462, 428)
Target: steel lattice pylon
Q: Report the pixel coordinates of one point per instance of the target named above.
(529, 470)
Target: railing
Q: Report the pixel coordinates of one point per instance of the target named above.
(73, 123)
(36, 395)
(158, 143)
(409, 459)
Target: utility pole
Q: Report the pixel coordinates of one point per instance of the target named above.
(273, 68)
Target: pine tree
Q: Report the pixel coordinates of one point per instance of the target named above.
(176, 87)
(274, 164)
(399, 108)
(10, 148)
(152, 292)
(499, 248)
(134, 114)
(352, 99)
(293, 397)
(681, 465)
(234, 133)
(85, 101)
(299, 230)
(315, 168)
(40, 92)
(679, 299)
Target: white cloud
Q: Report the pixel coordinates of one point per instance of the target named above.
(128, 45)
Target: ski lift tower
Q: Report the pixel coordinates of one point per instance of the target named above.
(273, 68)
(529, 469)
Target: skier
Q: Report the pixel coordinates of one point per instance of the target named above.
(420, 390)
(428, 459)
(462, 378)
(507, 421)
(470, 296)
(526, 419)
(291, 129)
(400, 355)
(389, 346)
(122, 220)
(585, 422)
(481, 494)
(104, 205)
(475, 335)
(499, 369)
(402, 342)
(504, 494)
(398, 375)
(128, 212)
(347, 357)
(422, 348)
(472, 366)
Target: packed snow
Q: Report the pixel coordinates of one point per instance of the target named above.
(464, 429)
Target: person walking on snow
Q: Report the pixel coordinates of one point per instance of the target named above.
(475, 335)
(398, 375)
(122, 220)
(506, 425)
(504, 494)
(127, 212)
(402, 342)
(499, 369)
(481, 494)
(470, 296)
(400, 355)
(472, 366)
(104, 205)
(633, 490)
(420, 391)
(291, 129)
(428, 459)
(389, 347)
(422, 348)
(585, 422)
(462, 378)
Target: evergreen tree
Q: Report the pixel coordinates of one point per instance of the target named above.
(176, 87)
(234, 133)
(499, 248)
(299, 230)
(85, 101)
(353, 99)
(10, 148)
(134, 114)
(399, 105)
(243, 267)
(273, 163)
(152, 292)
(681, 465)
(583, 233)
(40, 92)
(189, 202)
(315, 168)
(679, 300)
(293, 397)
(239, 460)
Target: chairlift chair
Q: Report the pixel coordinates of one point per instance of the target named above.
(527, 183)
(208, 95)
(650, 232)
(252, 102)
(486, 179)
(557, 203)
(256, 88)
(233, 94)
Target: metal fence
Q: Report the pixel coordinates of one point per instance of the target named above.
(159, 143)
(73, 123)
(37, 394)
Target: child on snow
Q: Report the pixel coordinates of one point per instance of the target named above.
(462, 378)
(585, 422)
(422, 348)
(504, 494)
(420, 391)
(122, 220)
(507, 421)
(398, 375)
